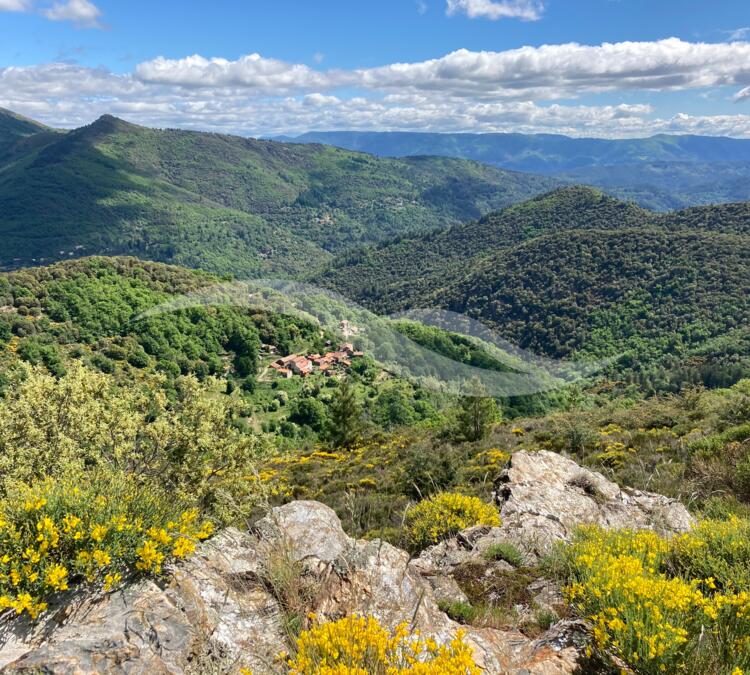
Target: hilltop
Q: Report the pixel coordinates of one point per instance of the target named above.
(222, 203)
(577, 272)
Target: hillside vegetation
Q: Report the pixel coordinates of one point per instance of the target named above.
(663, 172)
(126, 441)
(222, 203)
(665, 186)
(14, 128)
(577, 273)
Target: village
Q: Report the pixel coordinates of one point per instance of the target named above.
(329, 363)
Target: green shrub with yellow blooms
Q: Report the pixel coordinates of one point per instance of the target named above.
(95, 530)
(716, 549)
(649, 603)
(186, 444)
(357, 645)
(446, 514)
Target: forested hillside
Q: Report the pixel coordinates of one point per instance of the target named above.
(662, 172)
(665, 186)
(14, 128)
(222, 203)
(575, 272)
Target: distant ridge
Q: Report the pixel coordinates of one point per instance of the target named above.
(538, 153)
(662, 172)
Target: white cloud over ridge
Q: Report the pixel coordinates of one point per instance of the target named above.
(527, 10)
(515, 90)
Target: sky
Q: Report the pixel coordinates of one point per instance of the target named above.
(601, 68)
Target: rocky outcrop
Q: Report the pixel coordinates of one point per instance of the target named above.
(220, 610)
(544, 496)
(215, 613)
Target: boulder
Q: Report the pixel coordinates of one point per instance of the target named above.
(215, 612)
(543, 497)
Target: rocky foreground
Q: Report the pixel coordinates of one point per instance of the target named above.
(219, 611)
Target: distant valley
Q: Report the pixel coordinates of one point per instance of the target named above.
(662, 172)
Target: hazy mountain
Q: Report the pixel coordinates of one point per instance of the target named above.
(663, 172)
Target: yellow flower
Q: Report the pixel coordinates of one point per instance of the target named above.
(446, 514)
(98, 532)
(183, 547)
(358, 645)
(35, 504)
(56, 578)
(159, 535)
(70, 523)
(101, 558)
(111, 580)
(150, 558)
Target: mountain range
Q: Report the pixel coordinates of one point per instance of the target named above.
(561, 270)
(663, 172)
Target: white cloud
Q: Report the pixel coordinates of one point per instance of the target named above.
(557, 71)
(82, 12)
(528, 10)
(546, 72)
(524, 90)
(739, 34)
(14, 5)
(251, 72)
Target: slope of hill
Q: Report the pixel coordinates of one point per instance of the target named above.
(392, 274)
(575, 272)
(14, 127)
(225, 203)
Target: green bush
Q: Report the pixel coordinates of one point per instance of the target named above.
(462, 612)
(504, 551)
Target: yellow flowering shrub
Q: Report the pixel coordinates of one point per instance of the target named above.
(719, 549)
(53, 426)
(656, 621)
(93, 530)
(446, 514)
(357, 645)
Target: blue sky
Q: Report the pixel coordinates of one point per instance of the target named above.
(582, 67)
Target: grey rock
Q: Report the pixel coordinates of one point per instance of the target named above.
(214, 613)
(544, 496)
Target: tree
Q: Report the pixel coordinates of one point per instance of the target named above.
(345, 416)
(477, 413)
(308, 412)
